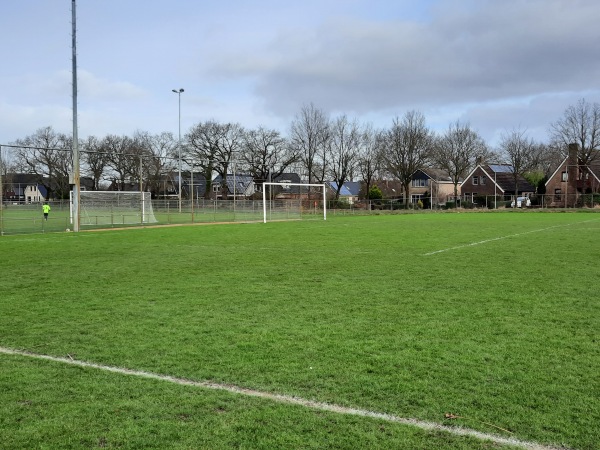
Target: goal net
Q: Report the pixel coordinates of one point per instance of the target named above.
(114, 208)
(282, 201)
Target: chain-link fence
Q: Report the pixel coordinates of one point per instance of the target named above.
(26, 217)
(20, 217)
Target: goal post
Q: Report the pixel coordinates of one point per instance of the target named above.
(286, 186)
(114, 208)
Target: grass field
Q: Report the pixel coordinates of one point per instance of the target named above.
(494, 317)
(28, 218)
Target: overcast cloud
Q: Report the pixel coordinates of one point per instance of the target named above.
(499, 64)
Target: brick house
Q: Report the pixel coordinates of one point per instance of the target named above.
(571, 179)
(490, 180)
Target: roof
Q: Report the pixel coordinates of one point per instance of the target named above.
(439, 175)
(289, 177)
(238, 183)
(500, 168)
(502, 175)
(349, 188)
(354, 187)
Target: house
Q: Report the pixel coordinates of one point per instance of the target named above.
(571, 179)
(349, 191)
(433, 185)
(32, 188)
(494, 180)
(287, 192)
(35, 193)
(193, 182)
(15, 185)
(239, 186)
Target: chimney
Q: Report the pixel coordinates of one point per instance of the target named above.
(573, 153)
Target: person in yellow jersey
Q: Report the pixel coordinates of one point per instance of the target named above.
(46, 210)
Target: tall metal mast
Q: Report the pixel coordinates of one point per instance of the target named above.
(76, 181)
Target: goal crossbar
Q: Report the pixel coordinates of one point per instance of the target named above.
(308, 185)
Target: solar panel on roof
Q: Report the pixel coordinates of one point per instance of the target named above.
(501, 168)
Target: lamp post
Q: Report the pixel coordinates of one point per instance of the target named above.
(178, 92)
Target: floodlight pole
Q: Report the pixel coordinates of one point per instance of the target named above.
(76, 181)
(178, 92)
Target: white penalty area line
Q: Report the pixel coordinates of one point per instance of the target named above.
(286, 399)
(472, 244)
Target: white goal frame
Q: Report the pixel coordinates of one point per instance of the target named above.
(142, 213)
(268, 183)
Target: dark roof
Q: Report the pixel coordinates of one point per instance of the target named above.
(435, 174)
(237, 183)
(22, 178)
(502, 174)
(287, 178)
(199, 183)
(501, 168)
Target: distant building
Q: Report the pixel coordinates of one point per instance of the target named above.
(433, 185)
(494, 180)
(571, 179)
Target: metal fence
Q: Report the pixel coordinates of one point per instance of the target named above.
(22, 218)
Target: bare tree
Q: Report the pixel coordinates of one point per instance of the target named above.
(580, 124)
(211, 146)
(266, 153)
(345, 146)
(160, 152)
(369, 157)
(406, 148)
(94, 159)
(48, 155)
(230, 143)
(123, 158)
(457, 151)
(309, 138)
(521, 152)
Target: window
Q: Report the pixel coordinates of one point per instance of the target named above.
(414, 198)
(556, 194)
(565, 176)
(482, 180)
(419, 182)
(216, 187)
(475, 181)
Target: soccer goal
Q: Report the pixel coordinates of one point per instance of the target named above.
(114, 208)
(293, 200)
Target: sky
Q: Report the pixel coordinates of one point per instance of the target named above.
(499, 65)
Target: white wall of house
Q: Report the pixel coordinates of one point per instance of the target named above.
(33, 195)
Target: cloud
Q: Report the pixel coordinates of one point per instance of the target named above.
(482, 52)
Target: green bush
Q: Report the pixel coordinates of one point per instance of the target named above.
(340, 203)
(450, 205)
(375, 193)
(588, 200)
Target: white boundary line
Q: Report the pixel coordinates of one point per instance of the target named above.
(471, 244)
(428, 426)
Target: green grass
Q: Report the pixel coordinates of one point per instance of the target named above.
(28, 218)
(349, 311)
